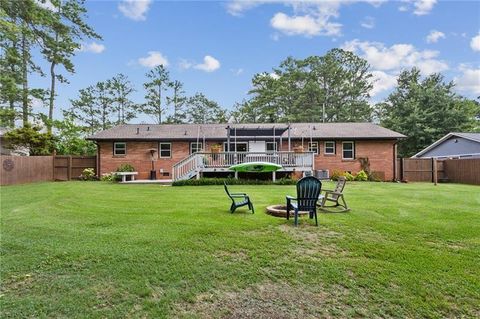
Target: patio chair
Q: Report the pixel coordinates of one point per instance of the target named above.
(335, 196)
(308, 191)
(239, 200)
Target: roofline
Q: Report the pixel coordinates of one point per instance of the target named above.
(323, 138)
(441, 140)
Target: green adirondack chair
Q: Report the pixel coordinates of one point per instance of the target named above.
(308, 190)
(239, 200)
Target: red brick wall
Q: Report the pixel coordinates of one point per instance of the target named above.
(380, 154)
(139, 156)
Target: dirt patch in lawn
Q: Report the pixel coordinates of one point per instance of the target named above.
(267, 300)
(316, 242)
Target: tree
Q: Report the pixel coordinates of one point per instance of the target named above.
(330, 88)
(84, 110)
(425, 110)
(120, 89)
(202, 110)
(158, 80)
(62, 38)
(93, 108)
(20, 30)
(103, 101)
(30, 137)
(178, 100)
(71, 138)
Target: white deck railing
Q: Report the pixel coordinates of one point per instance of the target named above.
(203, 161)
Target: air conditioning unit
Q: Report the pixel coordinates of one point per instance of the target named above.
(322, 174)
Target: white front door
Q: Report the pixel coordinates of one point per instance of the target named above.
(256, 146)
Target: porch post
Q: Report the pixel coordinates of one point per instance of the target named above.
(274, 176)
(236, 175)
(228, 138)
(289, 141)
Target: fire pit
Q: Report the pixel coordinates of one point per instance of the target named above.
(281, 211)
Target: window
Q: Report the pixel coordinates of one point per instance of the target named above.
(196, 147)
(271, 146)
(165, 150)
(313, 147)
(119, 148)
(239, 147)
(348, 150)
(329, 147)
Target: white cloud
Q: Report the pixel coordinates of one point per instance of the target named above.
(382, 81)
(185, 64)
(237, 72)
(434, 36)
(420, 7)
(309, 18)
(153, 59)
(397, 56)
(368, 22)
(92, 47)
(423, 7)
(303, 25)
(475, 43)
(209, 64)
(469, 81)
(134, 9)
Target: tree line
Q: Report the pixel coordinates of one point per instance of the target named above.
(334, 87)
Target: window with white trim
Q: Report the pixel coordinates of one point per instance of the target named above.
(271, 146)
(196, 147)
(348, 149)
(165, 150)
(329, 148)
(313, 147)
(119, 148)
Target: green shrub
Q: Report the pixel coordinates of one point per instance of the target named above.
(126, 168)
(233, 181)
(88, 174)
(336, 174)
(348, 176)
(108, 177)
(361, 176)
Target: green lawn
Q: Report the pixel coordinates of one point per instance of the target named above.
(93, 249)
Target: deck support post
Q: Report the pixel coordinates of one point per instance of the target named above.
(274, 176)
(236, 175)
(198, 175)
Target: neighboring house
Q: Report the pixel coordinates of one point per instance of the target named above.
(453, 145)
(183, 151)
(5, 148)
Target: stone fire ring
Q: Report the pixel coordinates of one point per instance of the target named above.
(281, 211)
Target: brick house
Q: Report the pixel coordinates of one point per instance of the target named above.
(182, 151)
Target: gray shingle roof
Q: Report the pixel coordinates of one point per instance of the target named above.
(219, 131)
(470, 136)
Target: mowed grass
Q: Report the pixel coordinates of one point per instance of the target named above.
(100, 250)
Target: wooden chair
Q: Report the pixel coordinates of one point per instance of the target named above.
(308, 191)
(239, 200)
(335, 196)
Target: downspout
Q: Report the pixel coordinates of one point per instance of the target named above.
(395, 177)
(98, 159)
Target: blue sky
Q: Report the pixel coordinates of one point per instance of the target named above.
(216, 47)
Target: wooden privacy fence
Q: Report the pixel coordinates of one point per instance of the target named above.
(29, 169)
(70, 167)
(465, 170)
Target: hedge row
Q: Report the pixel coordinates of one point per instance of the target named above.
(233, 181)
